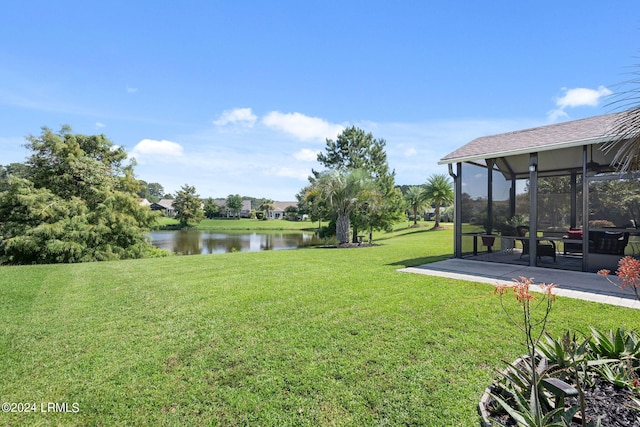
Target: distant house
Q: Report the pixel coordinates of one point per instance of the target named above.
(245, 212)
(164, 205)
(279, 210)
(144, 202)
(222, 206)
(429, 214)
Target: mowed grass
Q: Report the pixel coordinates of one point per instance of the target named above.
(308, 337)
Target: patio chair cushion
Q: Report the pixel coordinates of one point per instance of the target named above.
(573, 235)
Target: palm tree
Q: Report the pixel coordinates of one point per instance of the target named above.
(626, 125)
(416, 198)
(267, 206)
(439, 191)
(626, 142)
(343, 193)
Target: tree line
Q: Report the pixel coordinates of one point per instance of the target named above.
(76, 198)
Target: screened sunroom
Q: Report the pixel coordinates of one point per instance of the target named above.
(545, 197)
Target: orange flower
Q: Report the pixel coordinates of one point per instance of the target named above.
(522, 290)
(548, 290)
(629, 271)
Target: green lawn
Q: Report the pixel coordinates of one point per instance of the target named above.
(305, 337)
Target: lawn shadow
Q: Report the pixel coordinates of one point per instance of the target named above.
(419, 261)
(405, 232)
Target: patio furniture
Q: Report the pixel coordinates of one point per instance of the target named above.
(608, 242)
(600, 242)
(571, 245)
(543, 248)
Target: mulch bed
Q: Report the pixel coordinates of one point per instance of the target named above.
(614, 406)
(355, 245)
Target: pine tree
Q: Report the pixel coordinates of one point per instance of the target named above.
(188, 205)
(72, 202)
(354, 149)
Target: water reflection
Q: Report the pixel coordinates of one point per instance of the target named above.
(194, 242)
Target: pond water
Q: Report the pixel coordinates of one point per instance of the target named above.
(195, 242)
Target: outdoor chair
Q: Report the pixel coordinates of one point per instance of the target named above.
(543, 248)
(573, 234)
(608, 242)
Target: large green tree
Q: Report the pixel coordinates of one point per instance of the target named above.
(439, 191)
(311, 202)
(152, 191)
(72, 202)
(17, 170)
(234, 204)
(188, 205)
(211, 208)
(354, 149)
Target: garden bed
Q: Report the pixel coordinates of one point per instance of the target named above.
(613, 405)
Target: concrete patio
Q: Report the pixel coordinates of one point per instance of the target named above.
(571, 284)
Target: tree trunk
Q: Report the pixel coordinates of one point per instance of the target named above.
(437, 224)
(342, 228)
(354, 235)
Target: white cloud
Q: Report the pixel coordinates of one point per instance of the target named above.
(556, 114)
(582, 96)
(151, 147)
(410, 152)
(100, 125)
(241, 116)
(131, 89)
(301, 126)
(306, 155)
(577, 97)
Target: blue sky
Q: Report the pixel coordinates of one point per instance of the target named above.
(239, 96)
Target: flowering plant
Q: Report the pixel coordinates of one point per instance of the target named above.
(628, 273)
(521, 288)
(531, 412)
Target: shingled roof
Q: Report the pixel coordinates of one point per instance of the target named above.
(592, 130)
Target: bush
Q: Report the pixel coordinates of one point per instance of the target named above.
(326, 231)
